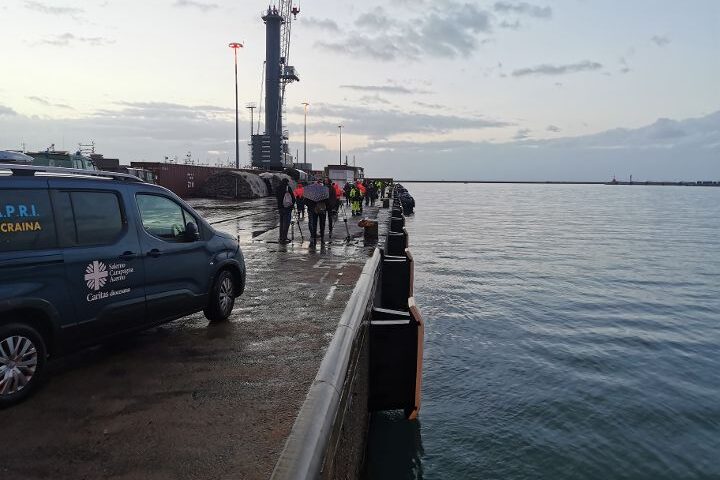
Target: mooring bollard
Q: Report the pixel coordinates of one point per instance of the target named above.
(370, 229)
(397, 224)
(397, 243)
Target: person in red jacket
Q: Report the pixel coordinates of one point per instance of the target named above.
(363, 192)
(299, 200)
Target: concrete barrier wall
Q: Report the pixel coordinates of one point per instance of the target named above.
(328, 438)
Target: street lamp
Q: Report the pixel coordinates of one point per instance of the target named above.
(235, 47)
(340, 127)
(251, 107)
(306, 105)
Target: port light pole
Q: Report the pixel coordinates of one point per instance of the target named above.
(235, 47)
(306, 105)
(251, 107)
(340, 127)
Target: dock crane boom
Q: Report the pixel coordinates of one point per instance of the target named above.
(288, 12)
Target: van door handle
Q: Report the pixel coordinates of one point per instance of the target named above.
(127, 256)
(154, 253)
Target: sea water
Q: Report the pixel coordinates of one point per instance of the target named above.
(572, 332)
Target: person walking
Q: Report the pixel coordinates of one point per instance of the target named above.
(372, 193)
(347, 189)
(363, 191)
(332, 204)
(338, 194)
(355, 200)
(285, 203)
(311, 216)
(317, 213)
(367, 186)
(299, 201)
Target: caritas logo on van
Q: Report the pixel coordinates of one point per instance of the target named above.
(97, 275)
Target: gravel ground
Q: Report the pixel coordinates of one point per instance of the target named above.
(190, 400)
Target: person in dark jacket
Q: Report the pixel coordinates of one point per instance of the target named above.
(347, 189)
(317, 213)
(332, 204)
(285, 202)
(372, 193)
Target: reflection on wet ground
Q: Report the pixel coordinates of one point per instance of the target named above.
(189, 400)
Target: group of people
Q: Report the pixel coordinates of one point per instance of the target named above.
(367, 191)
(324, 212)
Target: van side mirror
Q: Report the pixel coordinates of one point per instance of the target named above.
(191, 232)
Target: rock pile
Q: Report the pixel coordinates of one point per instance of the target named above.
(235, 184)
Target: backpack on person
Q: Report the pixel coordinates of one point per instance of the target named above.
(287, 200)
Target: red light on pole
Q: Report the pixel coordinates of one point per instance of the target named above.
(235, 47)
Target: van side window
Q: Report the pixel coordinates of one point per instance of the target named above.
(26, 220)
(163, 218)
(88, 218)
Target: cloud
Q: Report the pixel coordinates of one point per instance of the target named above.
(546, 69)
(522, 134)
(664, 133)
(375, 20)
(47, 103)
(449, 30)
(202, 6)
(51, 10)
(433, 106)
(321, 24)
(151, 130)
(660, 40)
(624, 67)
(384, 123)
(553, 128)
(135, 130)
(374, 99)
(510, 25)
(523, 8)
(67, 39)
(385, 89)
(592, 157)
(162, 110)
(7, 111)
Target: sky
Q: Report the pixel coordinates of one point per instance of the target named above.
(443, 89)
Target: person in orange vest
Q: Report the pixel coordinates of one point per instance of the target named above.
(363, 191)
(299, 200)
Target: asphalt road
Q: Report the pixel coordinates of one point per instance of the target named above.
(189, 400)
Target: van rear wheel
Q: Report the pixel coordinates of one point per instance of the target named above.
(22, 362)
(222, 298)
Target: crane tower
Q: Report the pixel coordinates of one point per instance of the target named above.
(270, 150)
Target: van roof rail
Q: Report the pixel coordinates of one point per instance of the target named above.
(31, 170)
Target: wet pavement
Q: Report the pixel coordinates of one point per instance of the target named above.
(189, 400)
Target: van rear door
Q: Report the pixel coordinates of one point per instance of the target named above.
(32, 274)
(104, 269)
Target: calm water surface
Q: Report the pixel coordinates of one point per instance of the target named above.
(573, 332)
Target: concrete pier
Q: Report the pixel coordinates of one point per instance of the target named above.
(189, 400)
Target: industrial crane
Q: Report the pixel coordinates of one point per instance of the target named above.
(288, 12)
(270, 149)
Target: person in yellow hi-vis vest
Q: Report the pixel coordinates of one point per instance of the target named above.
(355, 199)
